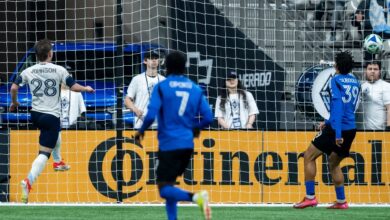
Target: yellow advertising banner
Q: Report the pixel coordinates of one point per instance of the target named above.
(234, 166)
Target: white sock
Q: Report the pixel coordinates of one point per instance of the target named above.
(57, 150)
(310, 196)
(340, 201)
(37, 167)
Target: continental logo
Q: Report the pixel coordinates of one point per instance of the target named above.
(213, 166)
(234, 166)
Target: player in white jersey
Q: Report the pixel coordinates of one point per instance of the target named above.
(141, 87)
(44, 80)
(376, 99)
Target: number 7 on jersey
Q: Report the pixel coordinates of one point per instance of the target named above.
(184, 99)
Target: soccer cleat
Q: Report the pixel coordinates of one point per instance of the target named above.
(26, 187)
(306, 203)
(337, 205)
(202, 200)
(60, 166)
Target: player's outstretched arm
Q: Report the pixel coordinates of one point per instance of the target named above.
(79, 88)
(14, 97)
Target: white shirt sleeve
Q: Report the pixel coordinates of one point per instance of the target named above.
(253, 110)
(81, 103)
(218, 111)
(132, 89)
(64, 74)
(23, 76)
(386, 93)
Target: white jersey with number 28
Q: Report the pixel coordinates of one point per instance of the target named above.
(44, 80)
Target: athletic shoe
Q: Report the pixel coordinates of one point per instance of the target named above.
(306, 203)
(337, 205)
(202, 200)
(60, 166)
(26, 187)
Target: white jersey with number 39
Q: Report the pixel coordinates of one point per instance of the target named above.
(44, 80)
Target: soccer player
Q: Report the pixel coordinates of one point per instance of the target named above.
(336, 134)
(44, 80)
(141, 87)
(177, 102)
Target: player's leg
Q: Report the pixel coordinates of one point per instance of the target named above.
(57, 150)
(338, 181)
(319, 145)
(59, 164)
(202, 200)
(310, 170)
(170, 166)
(338, 154)
(49, 127)
(39, 163)
(173, 194)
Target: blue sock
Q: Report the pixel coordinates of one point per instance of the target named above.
(310, 187)
(340, 194)
(171, 208)
(169, 192)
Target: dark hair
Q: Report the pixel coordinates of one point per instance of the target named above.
(151, 54)
(344, 62)
(224, 93)
(42, 49)
(175, 62)
(373, 62)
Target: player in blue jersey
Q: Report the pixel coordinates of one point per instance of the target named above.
(181, 110)
(336, 134)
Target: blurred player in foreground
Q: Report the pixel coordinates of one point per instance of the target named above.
(44, 80)
(177, 102)
(336, 134)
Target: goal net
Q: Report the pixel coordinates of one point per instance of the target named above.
(282, 53)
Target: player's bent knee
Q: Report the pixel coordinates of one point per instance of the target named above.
(334, 161)
(164, 192)
(45, 153)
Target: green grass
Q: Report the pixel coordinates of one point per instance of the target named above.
(222, 213)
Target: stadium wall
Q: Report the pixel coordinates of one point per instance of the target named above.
(235, 167)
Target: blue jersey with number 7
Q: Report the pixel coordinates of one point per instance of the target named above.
(180, 107)
(345, 92)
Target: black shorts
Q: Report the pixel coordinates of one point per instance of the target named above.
(172, 164)
(49, 125)
(325, 141)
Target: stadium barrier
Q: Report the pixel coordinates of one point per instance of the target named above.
(235, 167)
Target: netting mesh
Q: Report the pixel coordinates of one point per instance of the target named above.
(276, 48)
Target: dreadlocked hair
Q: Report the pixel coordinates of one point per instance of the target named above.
(344, 62)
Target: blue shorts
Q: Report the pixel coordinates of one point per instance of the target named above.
(49, 125)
